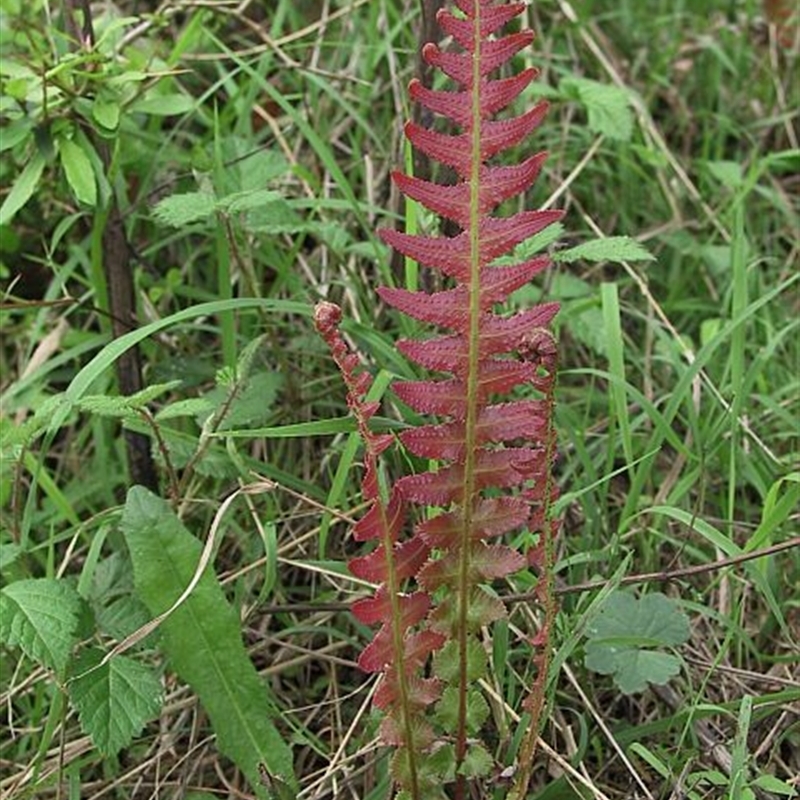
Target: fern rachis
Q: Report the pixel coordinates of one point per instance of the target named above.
(492, 445)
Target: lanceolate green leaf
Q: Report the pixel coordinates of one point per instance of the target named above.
(79, 172)
(164, 105)
(23, 188)
(40, 615)
(114, 700)
(202, 637)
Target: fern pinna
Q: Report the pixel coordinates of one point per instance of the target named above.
(492, 445)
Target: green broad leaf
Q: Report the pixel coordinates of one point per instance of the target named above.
(712, 776)
(202, 637)
(124, 406)
(40, 616)
(18, 88)
(182, 448)
(9, 553)
(114, 701)
(709, 328)
(164, 105)
(783, 161)
(15, 132)
(113, 31)
(127, 77)
(729, 173)
(588, 327)
(433, 770)
(335, 237)
(623, 635)
(718, 257)
(79, 172)
(150, 393)
(536, 244)
(477, 762)
(121, 617)
(106, 113)
(182, 209)
(608, 107)
(613, 248)
(23, 188)
(654, 617)
(440, 766)
(260, 168)
(117, 611)
(11, 435)
(565, 286)
(631, 668)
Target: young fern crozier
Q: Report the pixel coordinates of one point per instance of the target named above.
(493, 447)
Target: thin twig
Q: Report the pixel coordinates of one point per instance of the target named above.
(665, 576)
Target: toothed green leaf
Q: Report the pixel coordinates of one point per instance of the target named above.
(202, 637)
(41, 616)
(114, 701)
(608, 107)
(178, 210)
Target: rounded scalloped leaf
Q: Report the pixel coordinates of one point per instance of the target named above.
(484, 609)
(446, 662)
(477, 762)
(624, 635)
(447, 710)
(433, 770)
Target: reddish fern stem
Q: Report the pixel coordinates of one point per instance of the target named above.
(546, 594)
(327, 318)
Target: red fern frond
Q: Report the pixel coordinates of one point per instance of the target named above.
(493, 452)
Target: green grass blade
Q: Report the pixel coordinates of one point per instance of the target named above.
(616, 366)
(81, 383)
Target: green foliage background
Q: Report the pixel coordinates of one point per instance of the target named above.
(248, 151)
